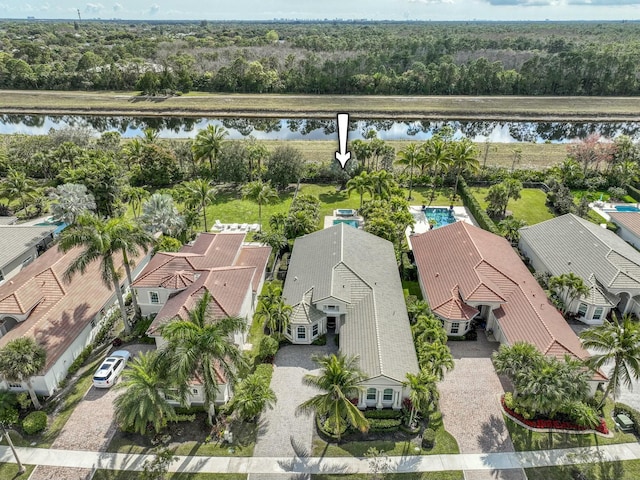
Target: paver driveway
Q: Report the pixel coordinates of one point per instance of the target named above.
(90, 428)
(281, 432)
(469, 401)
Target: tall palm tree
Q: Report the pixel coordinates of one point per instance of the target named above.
(21, 359)
(382, 184)
(339, 380)
(130, 238)
(261, 193)
(360, 184)
(251, 396)
(17, 186)
(410, 156)
(208, 143)
(272, 310)
(509, 360)
(144, 401)
(435, 358)
(159, 214)
(69, 201)
(569, 287)
(98, 240)
(201, 345)
(618, 343)
(423, 392)
(418, 308)
(135, 196)
(437, 157)
(464, 159)
(200, 193)
(428, 329)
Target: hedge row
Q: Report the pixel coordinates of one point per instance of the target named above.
(476, 210)
(383, 414)
(633, 192)
(384, 424)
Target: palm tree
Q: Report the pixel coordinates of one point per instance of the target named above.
(435, 358)
(159, 214)
(360, 184)
(144, 401)
(339, 380)
(130, 238)
(437, 157)
(382, 184)
(21, 359)
(464, 159)
(418, 308)
(568, 287)
(17, 186)
(200, 193)
(423, 392)
(428, 329)
(272, 310)
(409, 157)
(509, 360)
(251, 396)
(510, 228)
(70, 201)
(208, 144)
(261, 193)
(616, 342)
(150, 135)
(200, 345)
(98, 240)
(135, 196)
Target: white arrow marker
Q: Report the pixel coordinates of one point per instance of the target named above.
(343, 155)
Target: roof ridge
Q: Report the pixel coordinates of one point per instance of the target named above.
(544, 323)
(378, 333)
(144, 274)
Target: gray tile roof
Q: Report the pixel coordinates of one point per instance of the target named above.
(8, 220)
(16, 239)
(571, 244)
(361, 269)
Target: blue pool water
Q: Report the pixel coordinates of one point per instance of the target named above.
(627, 208)
(346, 211)
(353, 223)
(442, 216)
(59, 226)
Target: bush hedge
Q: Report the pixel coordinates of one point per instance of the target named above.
(34, 422)
(80, 359)
(383, 414)
(633, 193)
(476, 210)
(428, 439)
(384, 424)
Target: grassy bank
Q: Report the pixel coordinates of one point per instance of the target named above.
(325, 106)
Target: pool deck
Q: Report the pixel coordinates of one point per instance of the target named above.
(328, 220)
(420, 224)
(602, 208)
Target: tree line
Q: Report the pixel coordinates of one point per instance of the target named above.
(412, 58)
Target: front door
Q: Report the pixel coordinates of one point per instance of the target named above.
(331, 323)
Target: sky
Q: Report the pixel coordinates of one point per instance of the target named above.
(324, 9)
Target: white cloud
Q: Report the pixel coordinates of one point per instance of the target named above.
(117, 7)
(93, 7)
(154, 9)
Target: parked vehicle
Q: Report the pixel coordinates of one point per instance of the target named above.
(107, 374)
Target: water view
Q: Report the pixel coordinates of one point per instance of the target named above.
(321, 129)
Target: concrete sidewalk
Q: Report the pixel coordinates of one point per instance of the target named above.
(335, 465)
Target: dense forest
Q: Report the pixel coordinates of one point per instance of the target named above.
(412, 58)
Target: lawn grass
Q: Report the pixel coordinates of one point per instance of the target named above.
(524, 439)
(609, 470)
(448, 475)
(445, 444)
(531, 207)
(131, 475)
(9, 471)
(599, 194)
(324, 106)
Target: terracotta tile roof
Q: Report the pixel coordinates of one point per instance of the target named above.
(455, 308)
(628, 220)
(256, 256)
(464, 255)
(178, 280)
(64, 308)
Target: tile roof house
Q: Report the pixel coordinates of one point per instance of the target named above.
(20, 245)
(172, 283)
(346, 280)
(63, 316)
(628, 226)
(608, 265)
(467, 273)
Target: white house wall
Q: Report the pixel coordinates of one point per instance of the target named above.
(144, 299)
(380, 384)
(628, 236)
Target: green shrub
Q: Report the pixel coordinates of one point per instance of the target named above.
(383, 414)
(9, 416)
(264, 370)
(633, 193)
(34, 422)
(476, 210)
(24, 400)
(428, 439)
(509, 402)
(384, 424)
(267, 348)
(582, 414)
(321, 340)
(435, 420)
(80, 359)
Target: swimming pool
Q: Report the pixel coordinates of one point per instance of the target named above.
(59, 226)
(345, 212)
(627, 208)
(442, 216)
(353, 223)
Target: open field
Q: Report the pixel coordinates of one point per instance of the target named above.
(324, 106)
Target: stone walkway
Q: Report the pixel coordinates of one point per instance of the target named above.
(281, 432)
(471, 410)
(89, 428)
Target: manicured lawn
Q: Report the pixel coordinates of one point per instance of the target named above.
(448, 475)
(130, 475)
(620, 470)
(445, 443)
(599, 194)
(530, 207)
(9, 471)
(524, 439)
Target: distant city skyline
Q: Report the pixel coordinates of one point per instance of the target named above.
(463, 10)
